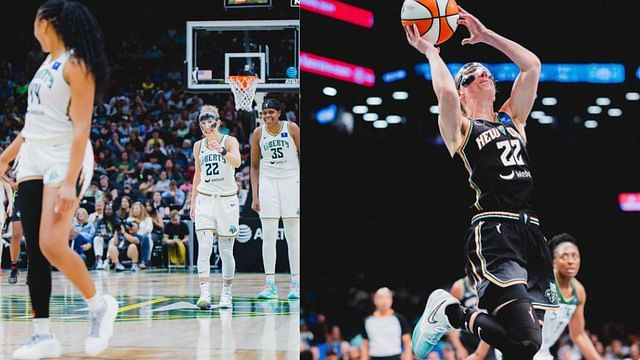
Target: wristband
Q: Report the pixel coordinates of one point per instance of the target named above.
(223, 152)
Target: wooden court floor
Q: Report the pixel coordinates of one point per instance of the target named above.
(157, 318)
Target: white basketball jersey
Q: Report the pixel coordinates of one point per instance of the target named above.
(217, 176)
(555, 322)
(49, 95)
(279, 153)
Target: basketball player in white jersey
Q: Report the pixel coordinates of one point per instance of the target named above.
(55, 167)
(275, 180)
(215, 202)
(566, 264)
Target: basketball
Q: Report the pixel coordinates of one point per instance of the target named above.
(437, 20)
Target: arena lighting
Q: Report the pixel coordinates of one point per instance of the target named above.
(591, 124)
(370, 117)
(340, 11)
(400, 95)
(374, 100)
(598, 73)
(329, 91)
(327, 114)
(594, 109)
(614, 112)
(380, 124)
(336, 69)
(360, 109)
(603, 101)
(629, 201)
(549, 101)
(632, 96)
(537, 114)
(434, 109)
(392, 76)
(545, 120)
(394, 119)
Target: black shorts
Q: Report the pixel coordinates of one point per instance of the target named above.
(122, 252)
(506, 249)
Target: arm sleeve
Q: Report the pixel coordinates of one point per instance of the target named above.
(363, 330)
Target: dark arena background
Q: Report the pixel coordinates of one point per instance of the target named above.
(383, 203)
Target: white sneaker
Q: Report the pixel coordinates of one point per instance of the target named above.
(105, 264)
(119, 267)
(101, 326)
(433, 323)
(39, 347)
(99, 264)
(204, 302)
(225, 299)
(135, 267)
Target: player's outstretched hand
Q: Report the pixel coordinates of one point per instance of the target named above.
(414, 39)
(477, 30)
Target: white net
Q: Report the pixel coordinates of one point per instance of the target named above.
(244, 89)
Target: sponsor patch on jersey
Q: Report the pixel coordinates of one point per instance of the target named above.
(284, 134)
(56, 65)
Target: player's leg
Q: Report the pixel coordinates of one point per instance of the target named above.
(228, 213)
(289, 192)
(14, 246)
(42, 343)
(205, 227)
(54, 235)
(134, 254)
(269, 218)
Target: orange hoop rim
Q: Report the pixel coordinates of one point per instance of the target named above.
(243, 80)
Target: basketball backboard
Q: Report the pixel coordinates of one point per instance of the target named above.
(218, 49)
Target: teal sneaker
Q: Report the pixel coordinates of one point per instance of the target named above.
(270, 291)
(294, 291)
(433, 323)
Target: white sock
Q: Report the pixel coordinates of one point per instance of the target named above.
(204, 287)
(41, 326)
(295, 278)
(95, 302)
(271, 278)
(269, 237)
(226, 287)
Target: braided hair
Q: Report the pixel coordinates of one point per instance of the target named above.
(81, 33)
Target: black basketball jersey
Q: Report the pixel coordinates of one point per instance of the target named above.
(495, 155)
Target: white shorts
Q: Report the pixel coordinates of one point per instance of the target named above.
(279, 197)
(50, 162)
(219, 213)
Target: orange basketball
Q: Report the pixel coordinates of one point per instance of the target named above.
(437, 20)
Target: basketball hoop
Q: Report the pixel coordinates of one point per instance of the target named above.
(244, 90)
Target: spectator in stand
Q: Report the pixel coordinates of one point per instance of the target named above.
(176, 237)
(146, 187)
(98, 212)
(82, 224)
(173, 173)
(154, 142)
(139, 214)
(94, 192)
(81, 245)
(103, 184)
(105, 229)
(157, 233)
(124, 166)
(173, 197)
(163, 182)
(159, 204)
(123, 212)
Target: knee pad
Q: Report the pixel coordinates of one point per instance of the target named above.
(520, 321)
(205, 246)
(226, 254)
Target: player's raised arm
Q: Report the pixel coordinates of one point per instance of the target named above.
(525, 86)
(450, 119)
